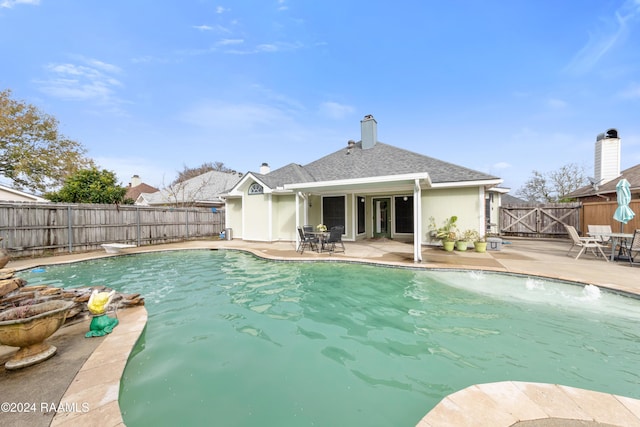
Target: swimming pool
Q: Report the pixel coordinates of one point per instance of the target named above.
(235, 340)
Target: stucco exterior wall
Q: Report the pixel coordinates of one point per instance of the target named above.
(284, 217)
(465, 203)
(233, 218)
(257, 217)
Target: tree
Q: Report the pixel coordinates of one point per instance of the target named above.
(188, 173)
(553, 186)
(33, 153)
(90, 186)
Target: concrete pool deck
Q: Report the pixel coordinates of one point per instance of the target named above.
(90, 394)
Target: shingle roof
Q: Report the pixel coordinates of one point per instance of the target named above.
(380, 160)
(206, 187)
(134, 192)
(632, 175)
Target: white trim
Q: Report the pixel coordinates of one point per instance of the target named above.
(235, 192)
(460, 184)
(357, 181)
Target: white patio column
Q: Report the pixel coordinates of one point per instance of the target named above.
(417, 222)
(298, 195)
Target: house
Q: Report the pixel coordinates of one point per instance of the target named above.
(607, 172)
(8, 194)
(204, 190)
(137, 187)
(373, 189)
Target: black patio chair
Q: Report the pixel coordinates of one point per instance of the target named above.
(627, 248)
(335, 236)
(306, 240)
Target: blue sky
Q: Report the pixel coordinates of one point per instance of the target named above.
(504, 87)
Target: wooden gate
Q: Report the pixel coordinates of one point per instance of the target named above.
(539, 220)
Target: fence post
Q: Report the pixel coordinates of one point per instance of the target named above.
(70, 228)
(186, 212)
(138, 225)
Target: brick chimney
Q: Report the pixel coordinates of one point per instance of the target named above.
(607, 159)
(369, 131)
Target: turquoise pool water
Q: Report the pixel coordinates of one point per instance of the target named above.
(233, 340)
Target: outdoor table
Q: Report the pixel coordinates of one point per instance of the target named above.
(321, 235)
(616, 239)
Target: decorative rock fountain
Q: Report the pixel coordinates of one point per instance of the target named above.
(31, 314)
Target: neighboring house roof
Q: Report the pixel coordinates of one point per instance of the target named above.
(12, 195)
(203, 190)
(381, 160)
(632, 175)
(508, 199)
(134, 192)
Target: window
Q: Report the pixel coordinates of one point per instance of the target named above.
(360, 210)
(404, 214)
(333, 211)
(256, 188)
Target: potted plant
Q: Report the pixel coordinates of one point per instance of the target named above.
(446, 232)
(479, 242)
(466, 237)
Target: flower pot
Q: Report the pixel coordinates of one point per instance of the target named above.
(461, 245)
(480, 246)
(27, 327)
(448, 245)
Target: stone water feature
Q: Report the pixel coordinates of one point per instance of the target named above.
(20, 302)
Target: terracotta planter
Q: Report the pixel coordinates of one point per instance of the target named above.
(480, 246)
(28, 327)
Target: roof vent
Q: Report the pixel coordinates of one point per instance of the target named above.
(350, 144)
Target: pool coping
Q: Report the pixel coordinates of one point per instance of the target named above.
(498, 404)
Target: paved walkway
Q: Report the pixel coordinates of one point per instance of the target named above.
(96, 383)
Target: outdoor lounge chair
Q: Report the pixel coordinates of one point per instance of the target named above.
(306, 240)
(598, 230)
(335, 236)
(627, 249)
(584, 243)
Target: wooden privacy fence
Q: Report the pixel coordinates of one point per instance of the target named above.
(601, 213)
(31, 229)
(539, 220)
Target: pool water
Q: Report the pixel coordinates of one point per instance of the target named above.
(233, 340)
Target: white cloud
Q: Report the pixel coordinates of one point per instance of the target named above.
(632, 92)
(203, 27)
(613, 31)
(556, 103)
(501, 165)
(126, 167)
(227, 42)
(8, 4)
(221, 9)
(92, 82)
(235, 116)
(335, 110)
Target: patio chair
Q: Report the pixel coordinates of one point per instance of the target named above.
(628, 248)
(584, 243)
(597, 231)
(306, 241)
(335, 236)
